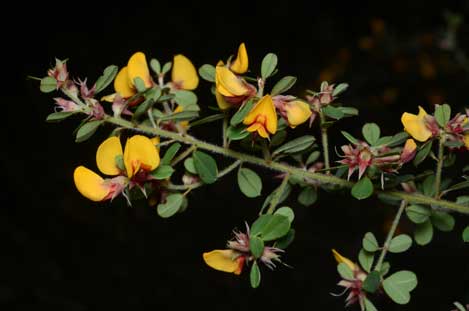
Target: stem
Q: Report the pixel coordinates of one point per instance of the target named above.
(222, 173)
(324, 140)
(278, 194)
(439, 166)
(150, 116)
(390, 235)
(322, 178)
(225, 127)
(265, 151)
(183, 155)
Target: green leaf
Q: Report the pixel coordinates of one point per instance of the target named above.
(459, 306)
(458, 186)
(87, 130)
(428, 186)
(342, 87)
(120, 162)
(255, 275)
(189, 165)
(372, 282)
(287, 212)
(307, 196)
(249, 182)
(143, 108)
(333, 112)
(166, 67)
(256, 246)
(313, 157)
(139, 84)
(442, 114)
(463, 200)
(400, 243)
(370, 244)
(206, 167)
(344, 271)
(171, 206)
(106, 78)
(366, 259)
(162, 172)
(349, 137)
(296, 145)
(349, 111)
(465, 235)
(236, 132)
(278, 138)
(371, 133)
(208, 119)
(286, 240)
(187, 99)
(59, 116)
(385, 267)
(180, 116)
(207, 72)
(48, 84)
(369, 306)
(270, 227)
(155, 66)
(398, 139)
(417, 213)
(269, 63)
(239, 116)
(423, 152)
(399, 285)
(442, 221)
(283, 196)
(423, 233)
(283, 85)
(170, 153)
(362, 189)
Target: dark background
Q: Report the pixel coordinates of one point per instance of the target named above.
(62, 252)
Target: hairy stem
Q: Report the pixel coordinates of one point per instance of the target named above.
(183, 155)
(299, 172)
(391, 232)
(278, 193)
(225, 128)
(324, 141)
(439, 166)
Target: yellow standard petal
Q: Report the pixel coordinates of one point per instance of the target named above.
(298, 112)
(228, 84)
(90, 184)
(241, 63)
(221, 102)
(122, 84)
(415, 125)
(106, 156)
(222, 260)
(184, 73)
(341, 259)
(263, 113)
(140, 152)
(138, 67)
(466, 140)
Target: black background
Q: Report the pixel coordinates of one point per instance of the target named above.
(60, 251)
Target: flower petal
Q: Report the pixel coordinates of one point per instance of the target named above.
(122, 84)
(415, 125)
(223, 260)
(106, 156)
(228, 84)
(241, 63)
(341, 259)
(265, 106)
(138, 67)
(221, 102)
(466, 140)
(90, 184)
(140, 152)
(298, 112)
(184, 73)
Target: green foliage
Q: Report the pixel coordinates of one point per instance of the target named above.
(369, 242)
(87, 130)
(270, 227)
(106, 78)
(155, 66)
(171, 206)
(423, 233)
(206, 167)
(372, 282)
(287, 212)
(48, 84)
(344, 271)
(239, 116)
(362, 189)
(269, 63)
(189, 165)
(256, 246)
(371, 133)
(283, 85)
(249, 182)
(399, 285)
(207, 72)
(170, 153)
(442, 221)
(400, 243)
(366, 259)
(307, 196)
(286, 240)
(162, 172)
(442, 114)
(465, 235)
(59, 116)
(255, 275)
(418, 213)
(296, 145)
(349, 137)
(422, 153)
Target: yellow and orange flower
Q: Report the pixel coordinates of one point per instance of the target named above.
(416, 125)
(341, 259)
(184, 75)
(262, 118)
(226, 260)
(140, 154)
(241, 63)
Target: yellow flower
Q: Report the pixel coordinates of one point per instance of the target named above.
(466, 140)
(228, 84)
(298, 112)
(262, 118)
(415, 125)
(226, 260)
(124, 82)
(241, 63)
(184, 74)
(140, 154)
(341, 259)
(409, 150)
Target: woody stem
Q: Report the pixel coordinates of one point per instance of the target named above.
(391, 232)
(278, 194)
(439, 166)
(324, 141)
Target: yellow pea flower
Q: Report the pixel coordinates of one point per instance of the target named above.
(416, 126)
(341, 259)
(124, 82)
(140, 154)
(226, 260)
(262, 118)
(466, 140)
(409, 150)
(298, 112)
(184, 75)
(228, 84)
(241, 63)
